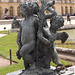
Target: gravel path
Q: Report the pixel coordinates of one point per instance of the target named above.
(1, 35)
(4, 62)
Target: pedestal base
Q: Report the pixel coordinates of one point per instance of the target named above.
(42, 71)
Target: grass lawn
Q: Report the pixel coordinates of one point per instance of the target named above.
(9, 42)
(3, 32)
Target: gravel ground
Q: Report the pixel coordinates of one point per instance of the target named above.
(4, 62)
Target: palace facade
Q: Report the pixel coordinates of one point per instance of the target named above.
(62, 7)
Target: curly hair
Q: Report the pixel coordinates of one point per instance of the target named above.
(35, 7)
(28, 6)
(57, 18)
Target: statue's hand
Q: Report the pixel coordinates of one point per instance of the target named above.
(51, 39)
(18, 55)
(64, 37)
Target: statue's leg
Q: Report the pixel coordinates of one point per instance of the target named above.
(55, 57)
(26, 64)
(26, 49)
(45, 61)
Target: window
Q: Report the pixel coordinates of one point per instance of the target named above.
(69, 1)
(65, 1)
(66, 10)
(70, 10)
(0, 11)
(62, 10)
(10, 0)
(61, 1)
(18, 11)
(11, 11)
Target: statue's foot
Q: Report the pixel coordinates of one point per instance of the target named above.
(60, 67)
(32, 66)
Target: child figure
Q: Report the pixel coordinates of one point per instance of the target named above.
(48, 49)
(46, 39)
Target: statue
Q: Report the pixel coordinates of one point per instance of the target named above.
(46, 45)
(36, 44)
(15, 23)
(26, 37)
(48, 50)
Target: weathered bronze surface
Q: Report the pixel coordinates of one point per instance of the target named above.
(36, 40)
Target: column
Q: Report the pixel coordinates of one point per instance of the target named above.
(15, 11)
(64, 10)
(69, 9)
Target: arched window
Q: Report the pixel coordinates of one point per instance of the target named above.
(61, 1)
(70, 10)
(65, 1)
(66, 10)
(0, 11)
(18, 11)
(70, 1)
(62, 10)
(10, 0)
(11, 11)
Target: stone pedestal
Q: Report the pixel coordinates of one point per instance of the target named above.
(42, 71)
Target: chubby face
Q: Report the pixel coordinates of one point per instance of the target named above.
(26, 9)
(57, 23)
(23, 10)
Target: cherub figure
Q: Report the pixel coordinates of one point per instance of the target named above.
(47, 50)
(27, 36)
(46, 39)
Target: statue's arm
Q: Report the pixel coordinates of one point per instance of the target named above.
(19, 39)
(48, 34)
(53, 13)
(49, 4)
(42, 38)
(62, 36)
(19, 43)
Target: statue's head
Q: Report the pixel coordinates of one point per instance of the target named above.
(26, 8)
(35, 7)
(57, 22)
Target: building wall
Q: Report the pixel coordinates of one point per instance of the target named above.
(62, 7)
(65, 8)
(7, 5)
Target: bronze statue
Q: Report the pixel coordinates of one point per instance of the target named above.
(36, 44)
(26, 37)
(15, 23)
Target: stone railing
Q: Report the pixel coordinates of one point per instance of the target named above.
(66, 50)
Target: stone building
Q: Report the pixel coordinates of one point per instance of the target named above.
(62, 7)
